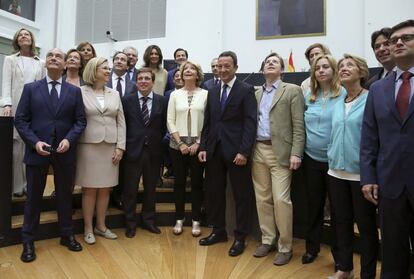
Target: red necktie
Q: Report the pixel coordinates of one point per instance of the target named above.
(403, 96)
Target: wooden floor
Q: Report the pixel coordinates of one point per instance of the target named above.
(157, 256)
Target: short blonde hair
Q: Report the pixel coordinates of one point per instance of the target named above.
(89, 73)
(335, 84)
(200, 74)
(361, 64)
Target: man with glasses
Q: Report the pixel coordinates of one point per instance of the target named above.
(381, 47)
(387, 149)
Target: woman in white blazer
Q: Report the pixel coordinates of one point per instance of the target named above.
(100, 147)
(185, 118)
(18, 69)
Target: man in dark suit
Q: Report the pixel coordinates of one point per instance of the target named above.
(208, 84)
(381, 47)
(387, 148)
(120, 81)
(145, 116)
(49, 118)
(180, 56)
(227, 140)
(119, 76)
(132, 54)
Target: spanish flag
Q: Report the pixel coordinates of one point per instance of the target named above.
(291, 67)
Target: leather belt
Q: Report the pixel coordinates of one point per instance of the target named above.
(267, 142)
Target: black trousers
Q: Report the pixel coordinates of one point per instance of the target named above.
(183, 163)
(347, 204)
(217, 169)
(148, 166)
(396, 216)
(316, 185)
(36, 181)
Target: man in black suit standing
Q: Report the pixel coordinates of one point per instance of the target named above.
(180, 56)
(50, 118)
(227, 140)
(381, 47)
(387, 147)
(120, 82)
(145, 117)
(208, 84)
(132, 54)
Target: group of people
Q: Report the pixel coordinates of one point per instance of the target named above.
(100, 127)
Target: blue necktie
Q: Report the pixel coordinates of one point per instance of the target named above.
(223, 97)
(54, 95)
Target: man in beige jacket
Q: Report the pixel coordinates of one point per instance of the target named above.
(279, 147)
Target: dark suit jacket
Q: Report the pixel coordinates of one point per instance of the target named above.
(170, 80)
(235, 126)
(208, 84)
(387, 142)
(134, 75)
(374, 78)
(36, 120)
(137, 133)
(130, 86)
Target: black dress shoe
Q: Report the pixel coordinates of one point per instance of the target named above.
(237, 248)
(214, 237)
(130, 232)
(28, 254)
(71, 243)
(151, 228)
(308, 258)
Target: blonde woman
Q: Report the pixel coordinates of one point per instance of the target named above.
(185, 116)
(325, 91)
(100, 147)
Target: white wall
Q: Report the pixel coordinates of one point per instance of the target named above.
(205, 28)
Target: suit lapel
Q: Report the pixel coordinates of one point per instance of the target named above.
(137, 109)
(389, 91)
(46, 96)
(155, 105)
(278, 94)
(63, 93)
(92, 98)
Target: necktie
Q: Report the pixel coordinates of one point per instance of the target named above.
(119, 87)
(216, 81)
(223, 97)
(403, 96)
(145, 111)
(54, 97)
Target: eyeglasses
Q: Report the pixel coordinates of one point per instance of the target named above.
(104, 68)
(404, 38)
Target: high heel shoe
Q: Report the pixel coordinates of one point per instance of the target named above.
(196, 230)
(178, 228)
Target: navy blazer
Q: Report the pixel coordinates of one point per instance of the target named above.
(36, 120)
(137, 133)
(130, 85)
(387, 141)
(374, 78)
(209, 84)
(235, 126)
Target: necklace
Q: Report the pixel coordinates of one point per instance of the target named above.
(356, 96)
